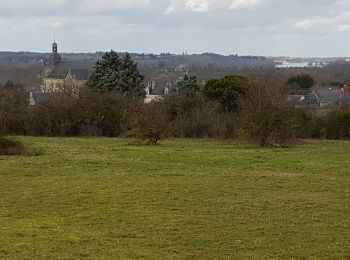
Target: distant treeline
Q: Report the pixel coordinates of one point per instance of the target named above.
(252, 112)
(252, 108)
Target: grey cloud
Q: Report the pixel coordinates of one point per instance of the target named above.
(224, 26)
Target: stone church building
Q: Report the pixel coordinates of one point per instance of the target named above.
(60, 73)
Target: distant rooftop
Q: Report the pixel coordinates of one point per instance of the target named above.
(79, 69)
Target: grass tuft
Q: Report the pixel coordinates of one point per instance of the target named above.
(11, 147)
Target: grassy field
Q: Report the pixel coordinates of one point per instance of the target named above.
(184, 199)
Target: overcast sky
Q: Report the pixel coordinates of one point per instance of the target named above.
(261, 27)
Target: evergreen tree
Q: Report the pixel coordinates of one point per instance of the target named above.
(189, 84)
(227, 90)
(303, 81)
(113, 73)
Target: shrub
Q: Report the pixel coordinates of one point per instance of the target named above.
(13, 104)
(149, 122)
(88, 114)
(194, 116)
(264, 120)
(11, 147)
(335, 125)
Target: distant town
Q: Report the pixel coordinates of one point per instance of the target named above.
(163, 68)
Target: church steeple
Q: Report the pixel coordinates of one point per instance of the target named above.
(54, 44)
(55, 57)
(54, 48)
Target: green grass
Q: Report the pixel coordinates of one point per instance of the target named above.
(184, 199)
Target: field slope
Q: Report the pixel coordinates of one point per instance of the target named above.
(185, 199)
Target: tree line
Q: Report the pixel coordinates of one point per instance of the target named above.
(112, 104)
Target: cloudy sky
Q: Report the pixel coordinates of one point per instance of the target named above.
(262, 27)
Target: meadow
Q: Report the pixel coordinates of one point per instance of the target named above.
(99, 198)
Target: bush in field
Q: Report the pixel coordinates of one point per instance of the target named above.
(338, 125)
(11, 147)
(194, 116)
(264, 120)
(149, 122)
(335, 125)
(13, 105)
(102, 115)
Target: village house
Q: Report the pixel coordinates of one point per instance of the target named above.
(155, 91)
(326, 98)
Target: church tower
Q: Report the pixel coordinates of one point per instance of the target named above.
(54, 47)
(54, 57)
